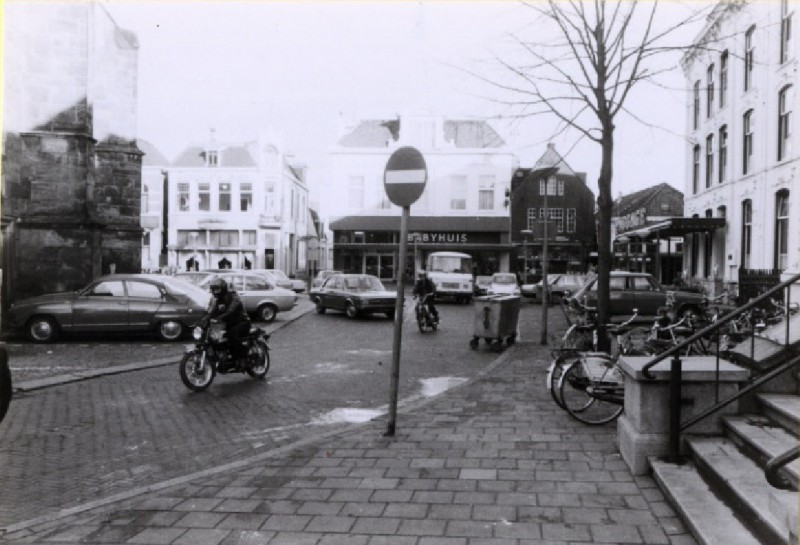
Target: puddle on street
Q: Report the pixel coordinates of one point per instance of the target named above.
(435, 386)
(352, 416)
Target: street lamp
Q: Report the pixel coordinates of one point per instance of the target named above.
(525, 233)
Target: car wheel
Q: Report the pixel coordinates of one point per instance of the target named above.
(320, 307)
(170, 330)
(266, 313)
(390, 315)
(42, 329)
(351, 310)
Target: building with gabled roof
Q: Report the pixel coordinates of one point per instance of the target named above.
(240, 205)
(461, 209)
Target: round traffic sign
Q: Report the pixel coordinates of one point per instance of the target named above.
(405, 176)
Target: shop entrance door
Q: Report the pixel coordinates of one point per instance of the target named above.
(380, 265)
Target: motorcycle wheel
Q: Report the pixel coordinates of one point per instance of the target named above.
(258, 361)
(193, 378)
(421, 323)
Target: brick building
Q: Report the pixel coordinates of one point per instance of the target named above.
(71, 168)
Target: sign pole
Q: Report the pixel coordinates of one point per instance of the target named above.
(398, 324)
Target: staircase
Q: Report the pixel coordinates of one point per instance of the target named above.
(721, 491)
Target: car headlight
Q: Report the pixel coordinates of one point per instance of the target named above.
(197, 333)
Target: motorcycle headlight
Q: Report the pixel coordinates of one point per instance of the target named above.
(197, 333)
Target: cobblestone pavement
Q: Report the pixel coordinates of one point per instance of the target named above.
(493, 461)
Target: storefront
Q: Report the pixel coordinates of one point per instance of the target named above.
(371, 244)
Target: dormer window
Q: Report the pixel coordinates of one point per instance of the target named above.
(211, 159)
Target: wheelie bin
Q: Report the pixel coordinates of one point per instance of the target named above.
(496, 318)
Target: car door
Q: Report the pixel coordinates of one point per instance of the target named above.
(102, 307)
(333, 296)
(619, 299)
(238, 282)
(144, 300)
(648, 297)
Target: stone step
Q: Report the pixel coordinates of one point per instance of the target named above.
(710, 520)
(783, 409)
(742, 485)
(762, 439)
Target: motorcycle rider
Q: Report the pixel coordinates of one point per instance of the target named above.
(425, 286)
(227, 307)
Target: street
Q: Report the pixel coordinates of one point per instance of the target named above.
(66, 445)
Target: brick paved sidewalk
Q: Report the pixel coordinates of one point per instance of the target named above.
(492, 462)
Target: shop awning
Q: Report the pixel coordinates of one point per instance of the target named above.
(675, 227)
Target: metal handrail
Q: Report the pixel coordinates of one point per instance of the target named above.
(775, 465)
(716, 325)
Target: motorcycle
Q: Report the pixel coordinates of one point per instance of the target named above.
(211, 355)
(425, 319)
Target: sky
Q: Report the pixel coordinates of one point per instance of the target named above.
(300, 68)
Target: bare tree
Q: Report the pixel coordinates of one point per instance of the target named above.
(583, 74)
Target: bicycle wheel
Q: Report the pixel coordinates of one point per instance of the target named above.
(578, 339)
(556, 369)
(590, 392)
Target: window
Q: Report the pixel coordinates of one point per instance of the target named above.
(557, 217)
(531, 220)
(709, 159)
(245, 197)
(256, 283)
(786, 31)
(782, 229)
(785, 100)
(747, 231)
(113, 288)
(145, 199)
(183, 197)
(749, 52)
(211, 158)
(723, 153)
(143, 290)
(642, 283)
(224, 239)
(561, 187)
(458, 193)
(696, 102)
(723, 78)
(204, 196)
(708, 249)
(146, 239)
(248, 238)
(696, 169)
(695, 251)
(355, 192)
(571, 220)
(224, 197)
(710, 91)
(486, 193)
(550, 186)
(747, 142)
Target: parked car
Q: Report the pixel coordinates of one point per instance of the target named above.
(322, 276)
(503, 284)
(294, 284)
(194, 277)
(262, 299)
(558, 285)
(164, 305)
(629, 290)
(355, 294)
(271, 277)
(482, 284)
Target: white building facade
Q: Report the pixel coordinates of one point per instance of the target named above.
(742, 77)
(154, 176)
(463, 207)
(237, 206)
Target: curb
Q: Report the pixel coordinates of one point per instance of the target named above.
(409, 405)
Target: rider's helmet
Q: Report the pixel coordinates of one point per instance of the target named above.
(218, 287)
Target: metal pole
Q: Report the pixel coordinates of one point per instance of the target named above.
(545, 287)
(398, 326)
(675, 372)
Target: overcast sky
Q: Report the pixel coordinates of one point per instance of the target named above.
(297, 67)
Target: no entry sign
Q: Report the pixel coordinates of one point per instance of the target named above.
(405, 176)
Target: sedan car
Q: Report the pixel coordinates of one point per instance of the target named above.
(294, 284)
(194, 277)
(629, 290)
(322, 276)
(482, 284)
(503, 284)
(154, 303)
(559, 284)
(262, 299)
(355, 294)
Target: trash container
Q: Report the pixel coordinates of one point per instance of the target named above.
(496, 318)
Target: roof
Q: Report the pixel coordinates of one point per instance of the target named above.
(421, 223)
(551, 158)
(152, 157)
(676, 227)
(639, 199)
(462, 133)
(229, 156)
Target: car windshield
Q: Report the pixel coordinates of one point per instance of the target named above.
(363, 283)
(450, 264)
(504, 279)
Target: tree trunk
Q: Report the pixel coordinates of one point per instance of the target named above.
(604, 209)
